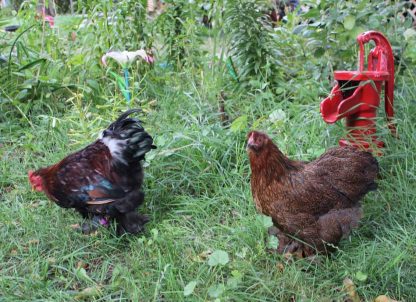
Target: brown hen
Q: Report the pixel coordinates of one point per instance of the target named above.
(315, 202)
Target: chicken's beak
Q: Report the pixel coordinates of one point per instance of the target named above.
(251, 145)
(33, 187)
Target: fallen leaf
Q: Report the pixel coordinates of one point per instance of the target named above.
(205, 254)
(350, 290)
(8, 189)
(299, 254)
(75, 226)
(280, 266)
(153, 103)
(384, 298)
(288, 256)
(82, 264)
(93, 234)
(88, 292)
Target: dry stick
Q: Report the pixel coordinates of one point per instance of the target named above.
(225, 120)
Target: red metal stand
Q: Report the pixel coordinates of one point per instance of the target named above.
(356, 96)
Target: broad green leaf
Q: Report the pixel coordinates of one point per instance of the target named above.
(235, 279)
(349, 22)
(218, 257)
(360, 276)
(236, 274)
(277, 116)
(233, 282)
(409, 34)
(161, 141)
(214, 291)
(239, 124)
(272, 242)
(77, 59)
(189, 288)
(266, 221)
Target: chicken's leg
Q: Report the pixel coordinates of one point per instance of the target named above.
(286, 244)
(92, 225)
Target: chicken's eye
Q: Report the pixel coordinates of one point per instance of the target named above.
(259, 141)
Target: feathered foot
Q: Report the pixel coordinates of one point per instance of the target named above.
(131, 222)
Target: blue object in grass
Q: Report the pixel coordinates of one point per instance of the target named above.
(126, 81)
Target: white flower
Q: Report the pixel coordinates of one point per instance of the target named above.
(125, 58)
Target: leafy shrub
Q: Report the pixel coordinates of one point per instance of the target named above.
(251, 44)
(334, 26)
(180, 35)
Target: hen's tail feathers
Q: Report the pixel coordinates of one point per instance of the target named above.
(337, 224)
(133, 141)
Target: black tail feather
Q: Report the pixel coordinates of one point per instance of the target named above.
(122, 119)
(132, 140)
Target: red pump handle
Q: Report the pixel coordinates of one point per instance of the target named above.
(384, 62)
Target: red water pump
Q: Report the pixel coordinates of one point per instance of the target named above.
(356, 95)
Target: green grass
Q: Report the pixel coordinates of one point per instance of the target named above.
(199, 200)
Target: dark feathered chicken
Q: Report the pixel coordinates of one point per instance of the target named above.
(104, 179)
(316, 202)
